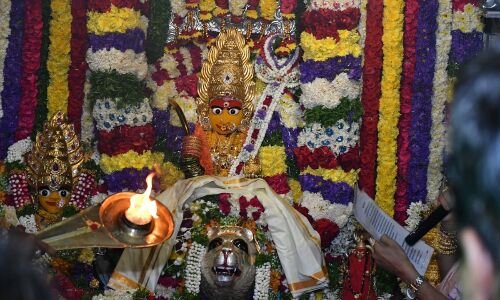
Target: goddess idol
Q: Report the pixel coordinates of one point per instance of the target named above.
(224, 259)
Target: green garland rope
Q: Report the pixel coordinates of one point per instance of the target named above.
(328, 117)
(125, 89)
(157, 29)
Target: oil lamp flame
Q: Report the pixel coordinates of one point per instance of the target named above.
(142, 209)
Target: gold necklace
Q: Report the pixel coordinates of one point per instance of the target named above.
(44, 218)
(224, 150)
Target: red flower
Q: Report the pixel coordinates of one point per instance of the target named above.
(253, 206)
(187, 84)
(224, 204)
(327, 231)
(99, 5)
(278, 183)
(350, 160)
(325, 157)
(304, 211)
(303, 157)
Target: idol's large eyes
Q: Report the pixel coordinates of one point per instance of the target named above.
(241, 244)
(44, 192)
(234, 111)
(215, 243)
(216, 110)
(63, 193)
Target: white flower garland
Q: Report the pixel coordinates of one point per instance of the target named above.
(290, 112)
(193, 268)
(415, 212)
(127, 62)
(467, 20)
(321, 92)
(278, 74)
(5, 6)
(188, 106)
(333, 4)
(17, 150)
(236, 7)
(440, 87)
(262, 281)
(115, 295)
(320, 208)
(87, 121)
(107, 115)
(338, 138)
(29, 223)
(179, 7)
(187, 61)
(162, 94)
(170, 64)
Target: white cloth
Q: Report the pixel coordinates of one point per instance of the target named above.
(297, 244)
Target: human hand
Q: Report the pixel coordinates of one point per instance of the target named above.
(36, 246)
(390, 256)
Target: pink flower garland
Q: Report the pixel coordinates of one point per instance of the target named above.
(32, 44)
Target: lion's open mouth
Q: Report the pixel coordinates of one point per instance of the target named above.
(226, 271)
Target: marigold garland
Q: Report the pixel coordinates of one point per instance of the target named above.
(115, 20)
(323, 49)
(130, 159)
(272, 160)
(389, 104)
(268, 9)
(59, 60)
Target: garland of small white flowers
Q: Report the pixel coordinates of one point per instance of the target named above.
(278, 77)
(262, 280)
(17, 150)
(193, 267)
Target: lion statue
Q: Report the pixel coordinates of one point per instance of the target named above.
(228, 270)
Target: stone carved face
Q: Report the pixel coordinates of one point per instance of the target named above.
(228, 270)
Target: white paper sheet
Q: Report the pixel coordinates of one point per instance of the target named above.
(378, 223)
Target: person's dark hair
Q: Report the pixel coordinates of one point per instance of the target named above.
(474, 164)
(19, 278)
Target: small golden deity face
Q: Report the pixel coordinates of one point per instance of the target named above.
(225, 115)
(53, 201)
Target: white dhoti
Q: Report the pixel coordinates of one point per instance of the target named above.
(297, 243)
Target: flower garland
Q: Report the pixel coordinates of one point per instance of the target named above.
(19, 189)
(11, 92)
(17, 151)
(278, 74)
(193, 268)
(32, 42)
(78, 67)
(440, 87)
(109, 117)
(389, 104)
(322, 49)
(43, 72)
(115, 20)
(409, 61)
(372, 71)
(421, 120)
(329, 93)
(129, 159)
(84, 189)
(59, 60)
(123, 62)
(157, 30)
(262, 280)
(5, 6)
(137, 138)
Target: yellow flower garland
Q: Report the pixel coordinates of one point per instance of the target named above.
(206, 8)
(170, 174)
(272, 160)
(323, 49)
(116, 20)
(335, 175)
(296, 189)
(59, 60)
(392, 48)
(268, 9)
(130, 159)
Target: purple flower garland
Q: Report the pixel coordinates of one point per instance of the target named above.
(334, 192)
(132, 39)
(330, 68)
(465, 45)
(421, 102)
(11, 93)
(129, 179)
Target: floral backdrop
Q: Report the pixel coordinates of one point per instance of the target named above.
(368, 109)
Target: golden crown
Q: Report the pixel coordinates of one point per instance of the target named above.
(227, 72)
(54, 160)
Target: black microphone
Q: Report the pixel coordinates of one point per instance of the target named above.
(425, 225)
